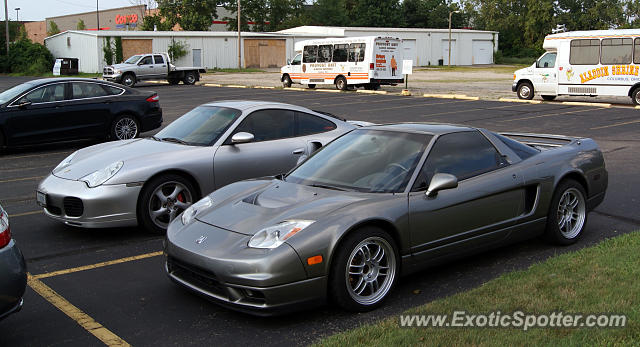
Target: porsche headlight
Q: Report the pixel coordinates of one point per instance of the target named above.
(66, 162)
(99, 177)
(274, 236)
(193, 210)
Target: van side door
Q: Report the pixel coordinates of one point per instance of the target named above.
(545, 75)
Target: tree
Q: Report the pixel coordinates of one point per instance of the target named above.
(28, 58)
(431, 14)
(330, 12)
(118, 50)
(193, 15)
(151, 22)
(284, 14)
(590, 14)
(53, 29)
(377, 13)
(14, 30)
(80, 25)
(251, 11)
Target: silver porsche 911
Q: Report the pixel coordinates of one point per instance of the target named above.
(149, 181)
(376, 203)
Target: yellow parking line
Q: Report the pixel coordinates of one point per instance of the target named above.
(546, 115)
(83, 319)
(616, 124)
(22, 179)
(24, 214)
(98, 265)
(415, 105)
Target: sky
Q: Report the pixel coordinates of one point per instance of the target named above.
(36, 10)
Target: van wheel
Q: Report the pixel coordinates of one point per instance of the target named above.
(128, 80)
(189, 78)
(548, 97)
(635, 96)
(311, 86)
(525, 91)
(286, 81)
(341, 83)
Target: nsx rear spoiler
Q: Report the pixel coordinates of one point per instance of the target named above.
(541, 141)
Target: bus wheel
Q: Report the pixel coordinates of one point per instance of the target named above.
(635, 96)
(525, 91)
(286, 81)
(341, 83)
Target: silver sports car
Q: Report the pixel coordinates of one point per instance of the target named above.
(149, 181)
(378, 202)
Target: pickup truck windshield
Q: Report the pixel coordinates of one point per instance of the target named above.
(132, 60)
(201, 126)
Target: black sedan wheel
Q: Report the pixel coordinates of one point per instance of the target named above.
(125, 128)
(162, 200)
(567, 213)
(364, 270)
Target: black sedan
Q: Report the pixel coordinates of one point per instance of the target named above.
(62, 109)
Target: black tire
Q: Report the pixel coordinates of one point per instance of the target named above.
(190, 78)
(286, 81)
(149, 201)
(128, 79)
(341, 284)
(341, 83)
(173, 81)
(525, 91)
(635, 96)
(311, 86)
(125, 127)
(548, 97)
(555, 231)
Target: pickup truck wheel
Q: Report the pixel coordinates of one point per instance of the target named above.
(128, 80)
(286, 81)
(567, 214)
(189, 78)
(525, 91)
(125, 127)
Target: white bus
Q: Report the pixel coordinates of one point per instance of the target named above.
(366, 61)
(592, 63)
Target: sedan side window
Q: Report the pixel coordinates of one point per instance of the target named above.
(463, 154)
(81, 90)
(267, 125)
(50, 93)
(146, 61)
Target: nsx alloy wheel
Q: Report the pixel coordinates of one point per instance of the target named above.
(525, 91)
(125, 128)
(567, 215)
(571, 213)
(163, 199)
(364, 269)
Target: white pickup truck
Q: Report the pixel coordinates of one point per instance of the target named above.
(152, 66)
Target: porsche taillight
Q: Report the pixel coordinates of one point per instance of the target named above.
(5, 231)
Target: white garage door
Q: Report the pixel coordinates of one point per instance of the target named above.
(482, 52)
(410, 51)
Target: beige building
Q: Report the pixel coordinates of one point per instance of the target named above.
(123, 18)
(36, 31)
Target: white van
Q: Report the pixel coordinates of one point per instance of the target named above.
(367, 61)
(593, 63)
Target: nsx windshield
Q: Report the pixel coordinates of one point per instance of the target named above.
(364, 160)
(201, 126)
(133, 59)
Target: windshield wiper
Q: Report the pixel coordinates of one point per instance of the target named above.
(327, 187)
(173, 139)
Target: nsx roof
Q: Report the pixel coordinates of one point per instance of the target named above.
(426, 128)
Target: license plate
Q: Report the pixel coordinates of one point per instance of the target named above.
(41, 198)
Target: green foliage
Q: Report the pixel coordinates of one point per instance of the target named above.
(330, 12)
(377, 13)
(107, 50)
(177, 49)
(156, 21)
(431, 14)
(53, 28)
(26, 57)
(118, 50)
(267, 15)
(190, 14)
(81, 25)
(14, 28)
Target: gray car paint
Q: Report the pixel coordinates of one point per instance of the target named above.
(13, 278)
(495, 208)
(210, 167)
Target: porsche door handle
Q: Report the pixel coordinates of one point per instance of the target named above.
(298, 151)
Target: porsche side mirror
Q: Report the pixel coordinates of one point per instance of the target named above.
(441, 181)
(241, 137)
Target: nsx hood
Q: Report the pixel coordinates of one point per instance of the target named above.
(98, 157)
(254, 210)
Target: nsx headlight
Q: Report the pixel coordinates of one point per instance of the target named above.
(99, 177)
(274, 236)
(66, 162)
(193, 210)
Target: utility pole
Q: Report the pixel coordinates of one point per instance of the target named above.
(6, 24)
(97, 15)
(239, 39)
(450, 14)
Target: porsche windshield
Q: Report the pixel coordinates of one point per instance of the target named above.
(201, 126)
(364, 160)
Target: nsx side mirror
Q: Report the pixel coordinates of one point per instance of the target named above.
(241, 137)
(441, 181)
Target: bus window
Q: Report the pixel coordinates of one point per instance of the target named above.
(616, 51)
(324, 53)
(340, 53)
(584, 52)
(636, 51)
(356, 52)
(310, 54)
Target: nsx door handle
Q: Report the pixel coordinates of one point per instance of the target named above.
(298, 151)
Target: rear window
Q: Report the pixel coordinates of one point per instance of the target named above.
(310, 124)
(523, 151)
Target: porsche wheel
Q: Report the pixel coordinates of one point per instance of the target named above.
(364, 270)
(162, 200)
(567, 215)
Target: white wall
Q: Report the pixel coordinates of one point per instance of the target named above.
(73, 45)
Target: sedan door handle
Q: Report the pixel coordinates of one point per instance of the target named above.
(298, 151)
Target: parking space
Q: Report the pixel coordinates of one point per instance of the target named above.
(115, 277)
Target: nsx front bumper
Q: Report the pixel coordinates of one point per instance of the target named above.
(217, 264)
(74, 203)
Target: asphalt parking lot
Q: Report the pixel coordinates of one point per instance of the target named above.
(110, 285)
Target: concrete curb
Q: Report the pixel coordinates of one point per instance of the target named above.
(520, 100)
(364, 91)
(578, 103)
(451, 96)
